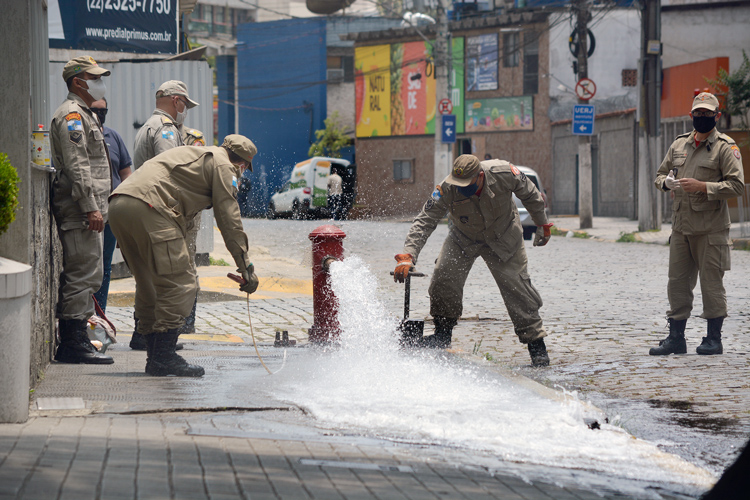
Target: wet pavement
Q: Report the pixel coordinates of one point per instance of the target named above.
(113, 432)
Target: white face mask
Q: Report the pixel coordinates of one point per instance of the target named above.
(181, 116)
(97, 89)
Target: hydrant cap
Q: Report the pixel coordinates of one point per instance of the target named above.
(327, 232)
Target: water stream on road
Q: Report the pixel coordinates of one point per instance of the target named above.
(430, 397)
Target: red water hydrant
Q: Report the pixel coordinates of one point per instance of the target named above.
(326, 247)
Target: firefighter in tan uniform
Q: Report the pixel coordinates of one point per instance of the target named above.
(149, 214)
(484, 222)
(162, 131)
(79, 204)
(702, 169)
(192, 137)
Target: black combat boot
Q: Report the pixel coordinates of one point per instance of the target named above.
(138, 341)
(712, 343)
(189, 326)
(538, 352)
(675, 342)
(441, 339)
(165, 361)
(75, 346)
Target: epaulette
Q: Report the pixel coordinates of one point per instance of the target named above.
(726, 138)
(195, 133)
(686, 134)
(504, 166)
(165, 120)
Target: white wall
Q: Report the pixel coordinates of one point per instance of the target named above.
(694, 35)
(340, 97)
(618, 43)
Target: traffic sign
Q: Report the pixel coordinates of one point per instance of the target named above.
(585, 88)
(583, 119)
(448, 128)
(445, 106)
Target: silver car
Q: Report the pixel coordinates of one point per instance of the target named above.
(529, 228)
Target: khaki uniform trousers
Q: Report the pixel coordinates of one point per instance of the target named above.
(192, 245)
(82, 271)
(691, 256)
(155, 250)
(521, 298)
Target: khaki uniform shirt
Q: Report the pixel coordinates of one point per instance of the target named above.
(84, 178)
(160, 133)
(491, 218)
(192, 137)
(183, 181)
(716, 161)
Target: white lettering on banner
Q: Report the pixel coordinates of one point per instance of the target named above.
(411, 98)
(154, 6)
(122, 33)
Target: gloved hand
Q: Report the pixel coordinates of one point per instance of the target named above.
(405, 263)
(251, 280)
(543, 234)
(670, 182)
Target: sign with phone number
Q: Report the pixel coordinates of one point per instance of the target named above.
(146, 26)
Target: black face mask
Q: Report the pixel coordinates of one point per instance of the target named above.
(101, 113)
(469, 190)
(704, 124)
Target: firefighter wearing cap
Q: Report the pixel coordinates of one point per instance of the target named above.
(79, 203)
(162, 131)
(484, 222)
(149, 215)
(702, 169)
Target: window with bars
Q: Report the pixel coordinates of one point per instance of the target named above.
(530, 63)
(511, 42)
(403, 171)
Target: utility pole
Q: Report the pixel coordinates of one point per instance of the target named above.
(649, 116)
(585, 203)
(440, 55)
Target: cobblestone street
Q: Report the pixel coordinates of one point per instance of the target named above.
(604, 306)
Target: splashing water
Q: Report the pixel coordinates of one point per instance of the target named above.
(431, 398)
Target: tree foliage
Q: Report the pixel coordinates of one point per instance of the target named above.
(738, 90)
(8, 192)
(330, 140)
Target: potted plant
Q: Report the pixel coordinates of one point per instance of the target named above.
(8, 192)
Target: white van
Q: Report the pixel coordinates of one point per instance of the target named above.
(305, 194)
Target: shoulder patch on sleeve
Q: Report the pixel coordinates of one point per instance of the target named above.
(75, 136)
(438, 193)
(73, 116)
(429, 204)
(514, 169)
(167, 134)
(736, 151)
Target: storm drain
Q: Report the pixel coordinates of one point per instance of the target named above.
(355, 465)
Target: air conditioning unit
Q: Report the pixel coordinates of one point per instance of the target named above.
(335, 75)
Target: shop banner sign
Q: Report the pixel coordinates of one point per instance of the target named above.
(501, 114)
(372, 90)
(144, 26)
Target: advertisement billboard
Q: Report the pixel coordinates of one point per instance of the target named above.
(144, 26)
(395, 89)
(501, 114)
(481, 60)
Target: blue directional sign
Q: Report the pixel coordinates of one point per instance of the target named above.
(583, 119)
(449, 128)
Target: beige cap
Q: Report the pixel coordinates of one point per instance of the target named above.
(465, 168)
(241, 146)
(704, 100)
(175, 87)
(83, 64)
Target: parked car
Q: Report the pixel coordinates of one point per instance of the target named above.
(529, 228)
(305, 194)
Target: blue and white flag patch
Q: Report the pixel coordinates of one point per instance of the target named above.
(167, 134)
